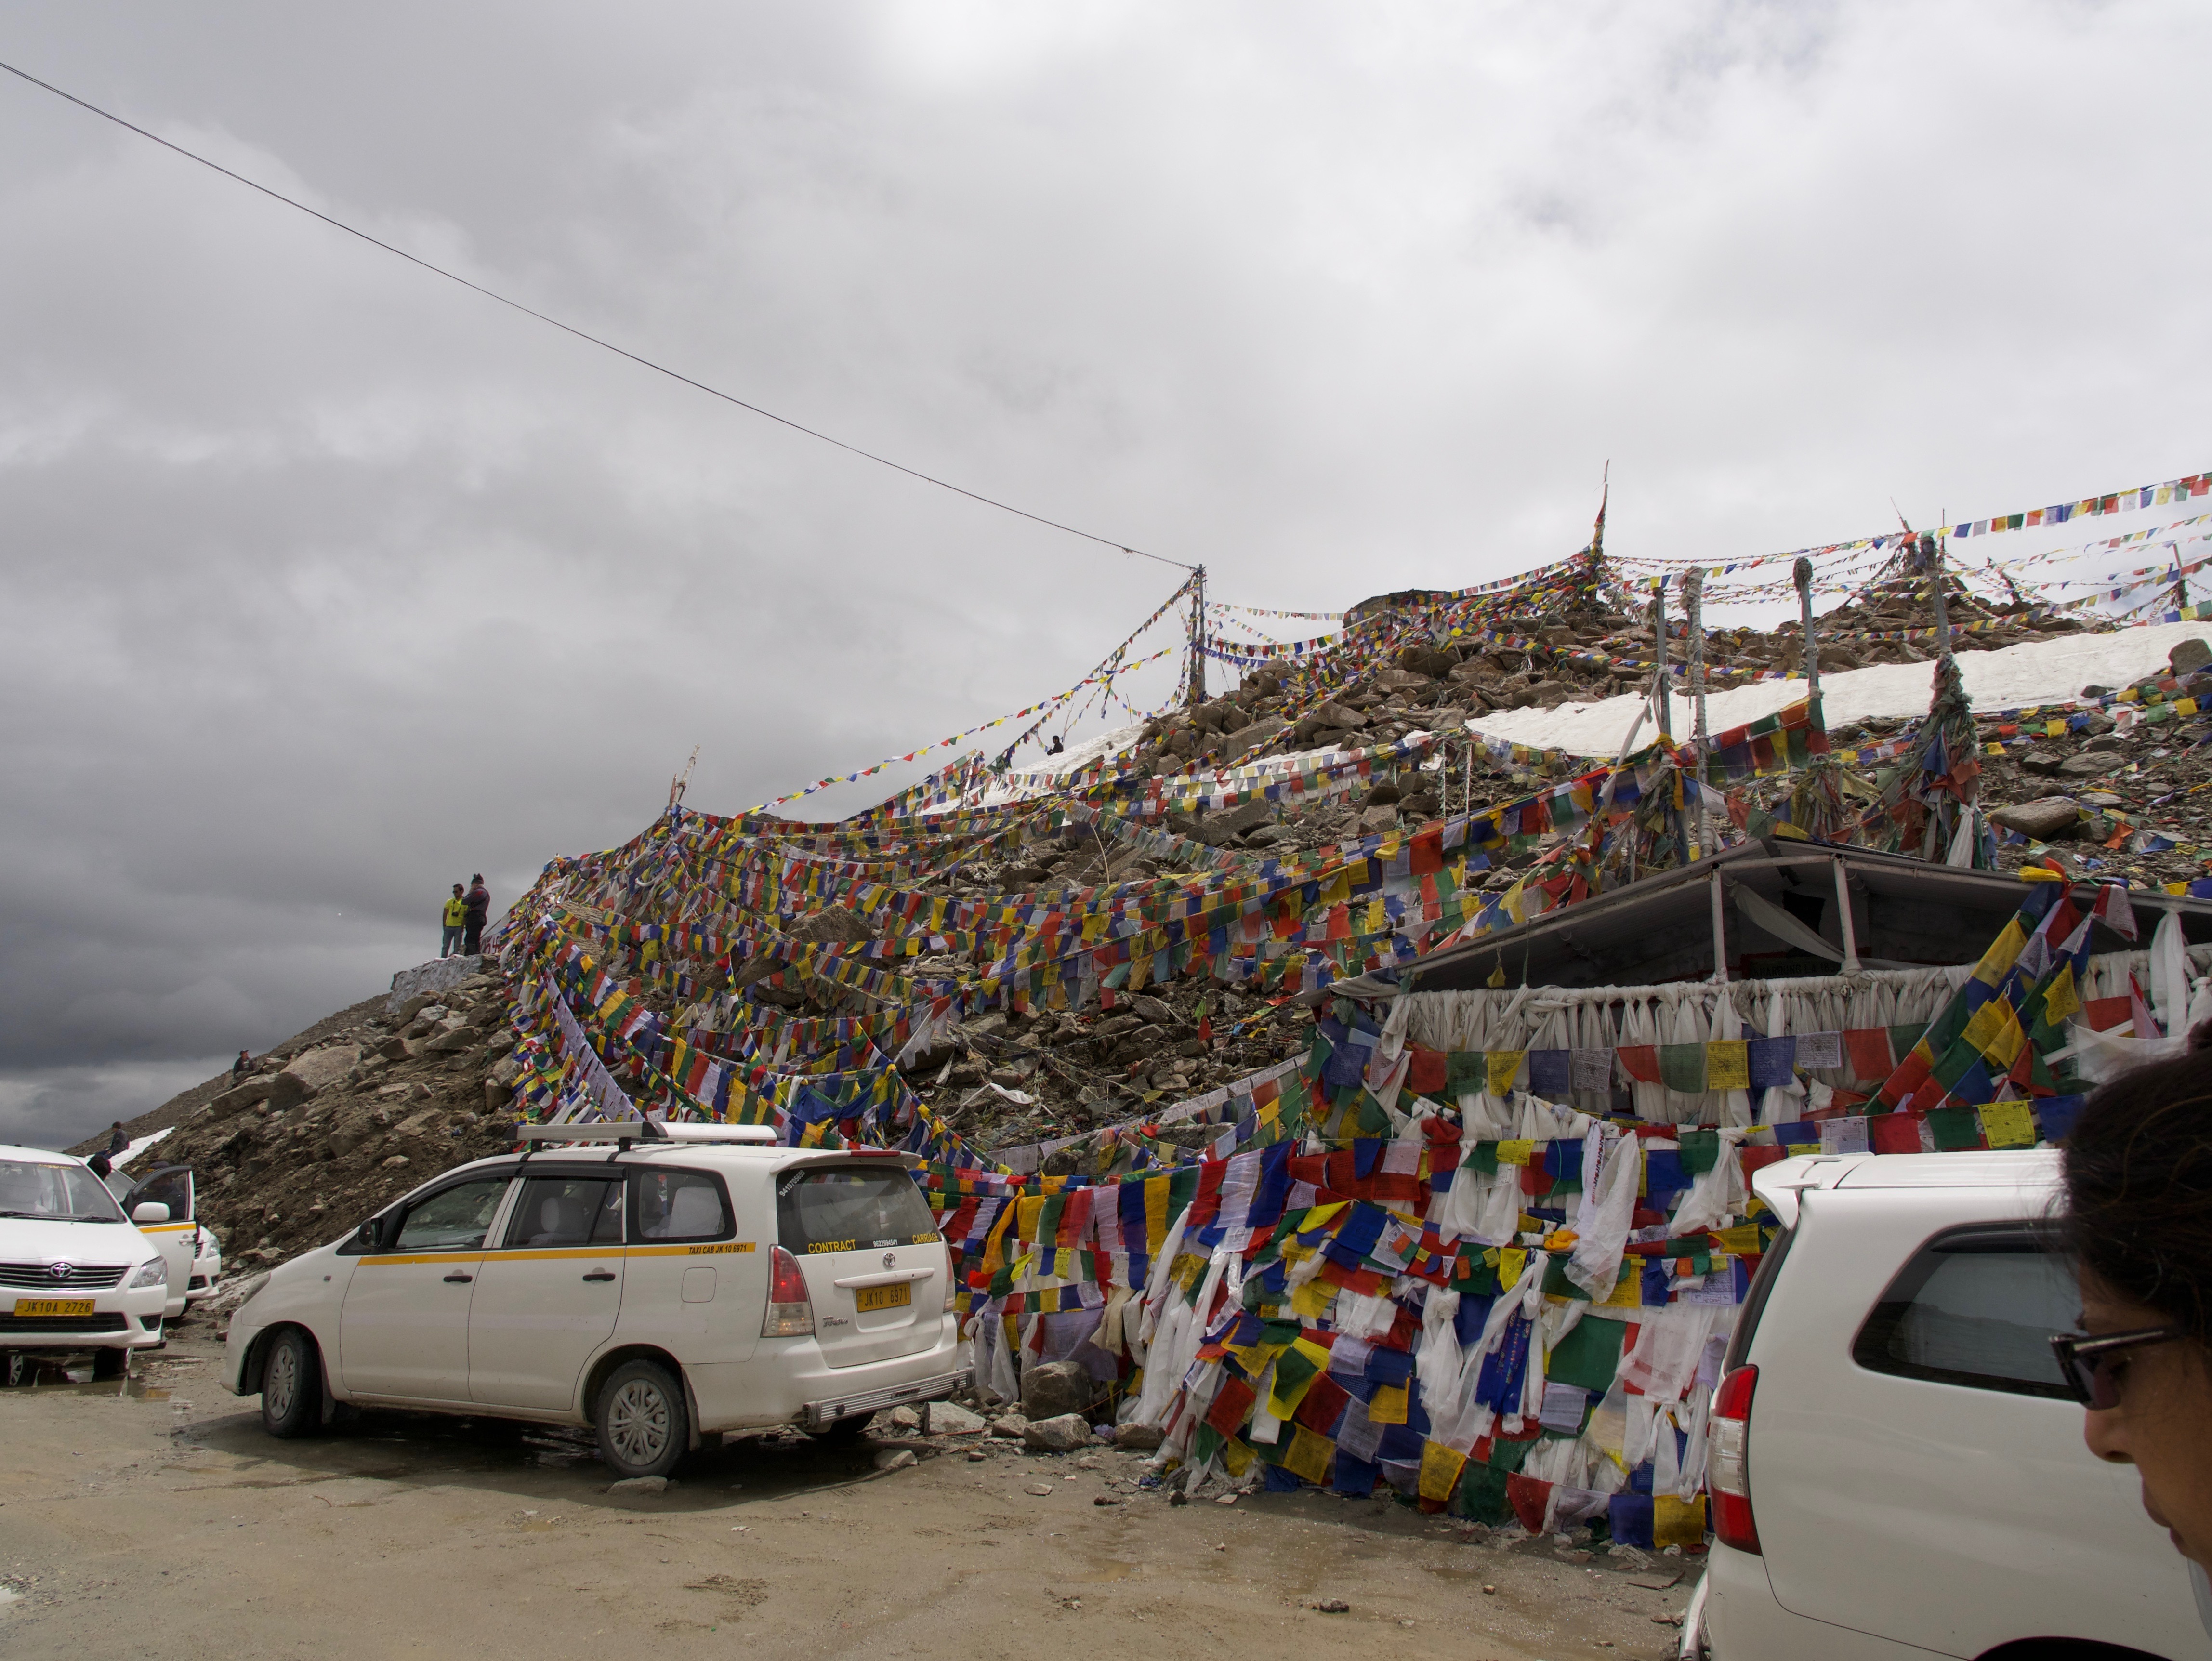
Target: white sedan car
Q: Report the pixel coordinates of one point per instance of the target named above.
(76, 1274)
(1897, 1465)
(685, 1281)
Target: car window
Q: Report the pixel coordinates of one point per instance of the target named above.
(1976, 1307)
(453, 1219)
(172, 1188)
(55, 1193)
(844, 1209)
(567, 1210)
(680, 1205)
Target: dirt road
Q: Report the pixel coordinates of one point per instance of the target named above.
(157, 1519)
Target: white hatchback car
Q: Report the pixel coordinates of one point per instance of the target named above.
(75, 1273)
(685, 1280)
(1896, 1465)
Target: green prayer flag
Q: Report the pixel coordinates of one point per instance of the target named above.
(1682, 1066)
(1955, 1128)
(1701, 1149)
(1589, 1354)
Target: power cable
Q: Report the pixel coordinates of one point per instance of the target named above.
(584, 334)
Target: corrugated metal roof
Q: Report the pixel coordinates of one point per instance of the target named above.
(1903, 911)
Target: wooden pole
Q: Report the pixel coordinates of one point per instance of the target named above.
(1811, 649)
(1694, 595)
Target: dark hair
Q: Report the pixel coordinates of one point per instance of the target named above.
(2139, 1186)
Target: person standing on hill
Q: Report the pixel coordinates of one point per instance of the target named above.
(457, 912)
(477, 909)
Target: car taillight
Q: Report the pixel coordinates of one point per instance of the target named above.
(790, 1310)
(1728, 1457)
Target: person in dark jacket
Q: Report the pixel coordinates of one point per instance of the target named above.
(117, 1140)
(479, 907)
(241, 1066)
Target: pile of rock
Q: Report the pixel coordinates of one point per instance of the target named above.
(343, 1117)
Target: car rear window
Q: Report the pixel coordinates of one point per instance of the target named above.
(1976, 1307)
(1754, 1300)
(851, 1209)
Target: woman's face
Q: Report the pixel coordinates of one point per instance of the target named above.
(2163, 1425)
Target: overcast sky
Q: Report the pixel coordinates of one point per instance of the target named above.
(327, 582)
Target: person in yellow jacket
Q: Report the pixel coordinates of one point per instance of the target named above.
(457, 912)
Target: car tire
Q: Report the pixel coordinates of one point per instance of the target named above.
(292, 1385)
(843, 1432)
(644, 1424)
(110, 1364)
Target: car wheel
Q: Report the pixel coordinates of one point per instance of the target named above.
(108, 1364)
(292, 1385)
(843, 1432)
(644, 1426)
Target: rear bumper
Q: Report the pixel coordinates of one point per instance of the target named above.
(819, 1415)
(789, 1383)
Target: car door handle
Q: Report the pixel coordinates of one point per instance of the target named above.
(600, 1275)
(457, 1275)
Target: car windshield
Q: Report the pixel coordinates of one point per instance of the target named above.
(55, 1193)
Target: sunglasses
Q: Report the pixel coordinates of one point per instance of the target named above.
(2085, 1361)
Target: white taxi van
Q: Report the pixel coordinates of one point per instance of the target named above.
(75, 1273)
(660, 1283)
(1897, 1464)
(178, 1235)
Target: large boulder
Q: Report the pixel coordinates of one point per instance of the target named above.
(245, 1096)
(435, 976)
(287, 1089)
(1063, 1432)
(2043, 818)
(1053, 1388)
(318, 1069)
(2188, 656)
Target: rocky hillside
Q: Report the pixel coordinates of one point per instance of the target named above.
(339, 1119)
(374, 1099)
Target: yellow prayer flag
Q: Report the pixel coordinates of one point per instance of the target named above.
(1503, 1066)
(1312, 1300)
(1728, 1065)
(1388, 1405)
(1028, 1209)
(1512, 1262)
(2061, 1001)
(1998, 959)
(1316, 1216)
(1677, 1522)
(1440, 1469)
(1237, 1455)
(2008, 1124)
(1628, 1290)
(1308, 1455)
(1741, 1241)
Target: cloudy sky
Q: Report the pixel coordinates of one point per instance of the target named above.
(327, 582)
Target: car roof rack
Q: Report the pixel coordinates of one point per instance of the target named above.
(627, 1131)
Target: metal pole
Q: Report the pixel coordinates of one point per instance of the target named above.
(1694, 595)
(1811, 662)
(1197, 693)
(1720, 937)
(1931, 558)
(1844, 916)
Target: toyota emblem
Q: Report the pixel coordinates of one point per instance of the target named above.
(61, 1271)
(890, 1260)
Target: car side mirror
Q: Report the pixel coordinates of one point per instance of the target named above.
(153, 1211)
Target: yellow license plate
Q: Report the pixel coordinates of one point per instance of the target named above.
(897, 1297)
(53, 1305)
